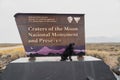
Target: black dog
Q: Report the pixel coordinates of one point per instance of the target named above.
(68, 52)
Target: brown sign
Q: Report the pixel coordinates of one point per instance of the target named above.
(50, 32)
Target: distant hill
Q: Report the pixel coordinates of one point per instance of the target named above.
(102, 39)
(9, 44)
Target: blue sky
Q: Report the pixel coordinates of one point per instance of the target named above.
(102, 17)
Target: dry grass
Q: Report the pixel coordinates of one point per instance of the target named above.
(15, 52)
(108, 52)
(105, 56)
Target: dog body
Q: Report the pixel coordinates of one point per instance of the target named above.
(68, 52)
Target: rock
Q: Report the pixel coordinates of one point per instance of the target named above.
(2, 69)
(80, 58)
(5, 56)
(116, 70)
(32, 59)
(4, 60)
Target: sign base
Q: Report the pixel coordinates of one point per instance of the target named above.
(48, 68)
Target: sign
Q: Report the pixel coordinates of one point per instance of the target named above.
(49, 34)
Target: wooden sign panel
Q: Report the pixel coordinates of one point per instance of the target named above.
(49, 34)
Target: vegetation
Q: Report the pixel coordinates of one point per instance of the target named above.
(15, 52)
(108, 52)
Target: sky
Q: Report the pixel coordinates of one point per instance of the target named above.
(102, 17)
